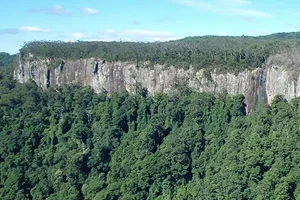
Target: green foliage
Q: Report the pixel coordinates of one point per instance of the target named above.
(70, 143)
(224, 53)
(6, 59)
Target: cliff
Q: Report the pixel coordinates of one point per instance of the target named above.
(272, 79)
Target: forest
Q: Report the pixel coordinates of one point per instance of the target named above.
(71, 143)
(6, 59)
(225, 53)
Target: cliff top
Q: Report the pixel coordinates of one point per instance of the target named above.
(223, 52)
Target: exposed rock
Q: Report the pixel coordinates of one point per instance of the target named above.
(107, 76)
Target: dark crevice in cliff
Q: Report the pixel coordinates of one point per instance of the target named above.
(32, 72)
(295, 88)
(104, 90)
(96, 69)
(264, 95)
(22, 71)
(61, 67)
(48, 78)
(111, 87)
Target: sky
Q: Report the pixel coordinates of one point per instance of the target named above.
(140, 20)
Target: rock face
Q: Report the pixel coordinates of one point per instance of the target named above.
(105, 76)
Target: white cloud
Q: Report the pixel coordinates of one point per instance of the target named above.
(229, 7)
(223, 34)
(23, 29)
(54, 10)
(253, 13)
(77, 35)
(126, 35)
(58, 10)
(74, 37)
(32, 29)
(89, 11)
(136, 35)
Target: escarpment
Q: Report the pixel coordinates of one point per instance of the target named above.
(258, 84)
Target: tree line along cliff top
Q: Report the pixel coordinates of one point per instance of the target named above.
(223, 52)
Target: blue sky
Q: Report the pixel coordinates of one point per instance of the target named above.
(136, 20)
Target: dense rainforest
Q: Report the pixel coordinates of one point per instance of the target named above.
(6, 59)
(71, 143)
(225, 53)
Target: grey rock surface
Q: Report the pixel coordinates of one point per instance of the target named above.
(106, 76)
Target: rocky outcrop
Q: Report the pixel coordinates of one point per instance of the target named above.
(105, 76)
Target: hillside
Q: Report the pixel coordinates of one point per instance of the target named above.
(198, 118)
(256, 67)
(223, 52)
(6, 59)
(71, 143)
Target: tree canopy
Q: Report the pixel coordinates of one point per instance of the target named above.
(221, 52)
(6, 59)
(71, 143)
